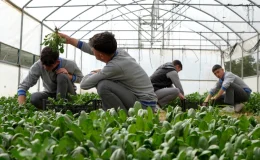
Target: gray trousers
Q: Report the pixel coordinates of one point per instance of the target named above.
(64, 86)
(113, 95)
(233, 95)
(166, 95)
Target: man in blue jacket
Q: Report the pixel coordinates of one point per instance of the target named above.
(229, 89)
(58, 77)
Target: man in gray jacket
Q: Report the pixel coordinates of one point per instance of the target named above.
(58, 76)
(122, 81)
(229, 89)
(163, 78)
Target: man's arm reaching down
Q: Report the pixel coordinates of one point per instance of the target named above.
(173, 75)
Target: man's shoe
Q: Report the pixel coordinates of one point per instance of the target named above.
(157, 109)
(228, 109)
(239, 107)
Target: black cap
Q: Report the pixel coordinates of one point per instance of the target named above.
(215, 67)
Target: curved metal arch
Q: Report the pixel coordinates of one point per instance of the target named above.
(112, 19)
(207, 39)
(81, 13)
(55, 10)
(238, 16)
(212, 17)
(171, 21)
(254, 3)
(200, 24)
(172, 12)
(171, 17)
(140, 10)
(103, 15)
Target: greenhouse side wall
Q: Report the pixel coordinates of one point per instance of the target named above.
(243, 62)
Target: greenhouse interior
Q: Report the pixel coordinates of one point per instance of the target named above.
(198, 33)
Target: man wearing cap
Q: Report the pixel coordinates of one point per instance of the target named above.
(229, 89)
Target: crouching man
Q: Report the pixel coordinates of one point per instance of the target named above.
(58, 76)
(230, 89)
(163, 80)
(122, 81)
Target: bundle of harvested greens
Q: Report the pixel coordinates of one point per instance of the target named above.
(54, 41)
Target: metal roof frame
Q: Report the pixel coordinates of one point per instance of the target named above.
(238, 16)
(215, 19)
(142, 9)
(162, 4)
(134, 30)
(139, 3)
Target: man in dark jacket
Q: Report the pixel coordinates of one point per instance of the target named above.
(163, 78)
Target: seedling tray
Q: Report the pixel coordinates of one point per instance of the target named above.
(87, 107)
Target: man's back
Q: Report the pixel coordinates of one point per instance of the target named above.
(159, 78)
(133, 76)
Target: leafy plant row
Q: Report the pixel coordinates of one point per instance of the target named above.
(196, 99)
(26, 133)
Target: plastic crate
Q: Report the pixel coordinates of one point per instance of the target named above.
(87, 107)
(185, 104)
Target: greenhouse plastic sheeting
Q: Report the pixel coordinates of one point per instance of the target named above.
(196, 32)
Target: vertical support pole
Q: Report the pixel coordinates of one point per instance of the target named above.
(222, 58)
(66, 50)
(163, 35)
(200, 64)
(139, 33)
(257, 65)
(33, 58)
(230, 59)
(39, 85)
(242, 63)
(41, 36)
(21, 44)
(172, 54)
(139, 59)
(80, 68)
(20, 48)
(74, 54)
(81, 60)
(21, 38)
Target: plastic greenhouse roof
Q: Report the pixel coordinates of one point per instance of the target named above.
(198, 24)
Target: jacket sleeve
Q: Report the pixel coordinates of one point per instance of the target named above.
(229, 78)
(173, 75)
(215, 88)
(30, 80)
(85, 47)
(77, 75)
(110, 71)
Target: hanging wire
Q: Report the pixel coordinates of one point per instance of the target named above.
(253, 13)
(141, 55)
(248, 14)
(252, 50)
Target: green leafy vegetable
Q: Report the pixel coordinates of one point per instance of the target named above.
(54, 41)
